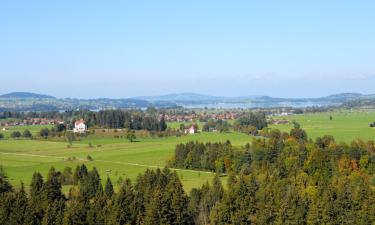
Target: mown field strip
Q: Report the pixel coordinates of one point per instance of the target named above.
(103, 161)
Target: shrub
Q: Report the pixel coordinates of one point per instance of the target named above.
(15, 134)
(27, 134)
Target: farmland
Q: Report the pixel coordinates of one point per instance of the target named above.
(112, 157)
(117, 157)
(345, 125)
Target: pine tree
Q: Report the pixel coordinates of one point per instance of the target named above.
(90, 184)
(108, 188)
(36, 206)
(19, 207)
(4, 183)
(76, 212)
(52, 187)
(162, 124)
(54, 213)
(98, 209)
(123, 209)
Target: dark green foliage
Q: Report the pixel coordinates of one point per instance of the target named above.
(286, 179)
(52, 187)
(209, 156)
(80, 173)
(135, 120)
(108, 190)
(36, 204)
(19, 208)
(281, 179)
(15, 134)
(90, 184)
(162, 124)
(45, 132)
(257, 120)
(4, 183)
(1, 136)
(218, 125)
(54, 213)
(27, 134)
(298, 134)
(60, 127)
(130, 135)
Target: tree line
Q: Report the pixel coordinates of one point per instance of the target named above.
(130, 119)
(157, 197)
(287, 178)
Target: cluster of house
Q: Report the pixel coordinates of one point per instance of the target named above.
(277, 121)
(79, 125)
(180, 118)
(224, 116)
(31, 121)
(188, 117)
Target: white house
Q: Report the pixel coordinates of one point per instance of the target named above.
(80, 126)
(190, 130)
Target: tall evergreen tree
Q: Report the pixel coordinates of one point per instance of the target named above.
(108, 188)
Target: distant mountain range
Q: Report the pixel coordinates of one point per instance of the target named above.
(192, 98)
(25, 95)
(26, 101)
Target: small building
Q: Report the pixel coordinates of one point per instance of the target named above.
(191, 130)
(80, 126)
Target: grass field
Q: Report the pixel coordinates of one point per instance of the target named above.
(34, 129)
(116, 157)
(344, 126)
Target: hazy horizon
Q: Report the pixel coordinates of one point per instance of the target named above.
(127, 49)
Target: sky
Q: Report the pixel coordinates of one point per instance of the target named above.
(119, 49)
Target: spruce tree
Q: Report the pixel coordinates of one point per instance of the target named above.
(108, 188)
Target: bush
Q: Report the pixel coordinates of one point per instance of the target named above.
(15, 134)
(1, 136)
(44, 132)
(27, 134)
(89, 158)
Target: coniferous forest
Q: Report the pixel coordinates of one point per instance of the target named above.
(284, 178)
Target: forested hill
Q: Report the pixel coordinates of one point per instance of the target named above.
(192, 99)
(25, 101)
(26, 95)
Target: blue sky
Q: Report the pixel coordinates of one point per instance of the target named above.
(229, 48)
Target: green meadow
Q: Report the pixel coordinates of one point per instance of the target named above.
(34, 129)
(113, 157)
(117, 157)
(345, 125)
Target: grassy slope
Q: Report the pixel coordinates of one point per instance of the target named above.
(21, 158)
(345, 125)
